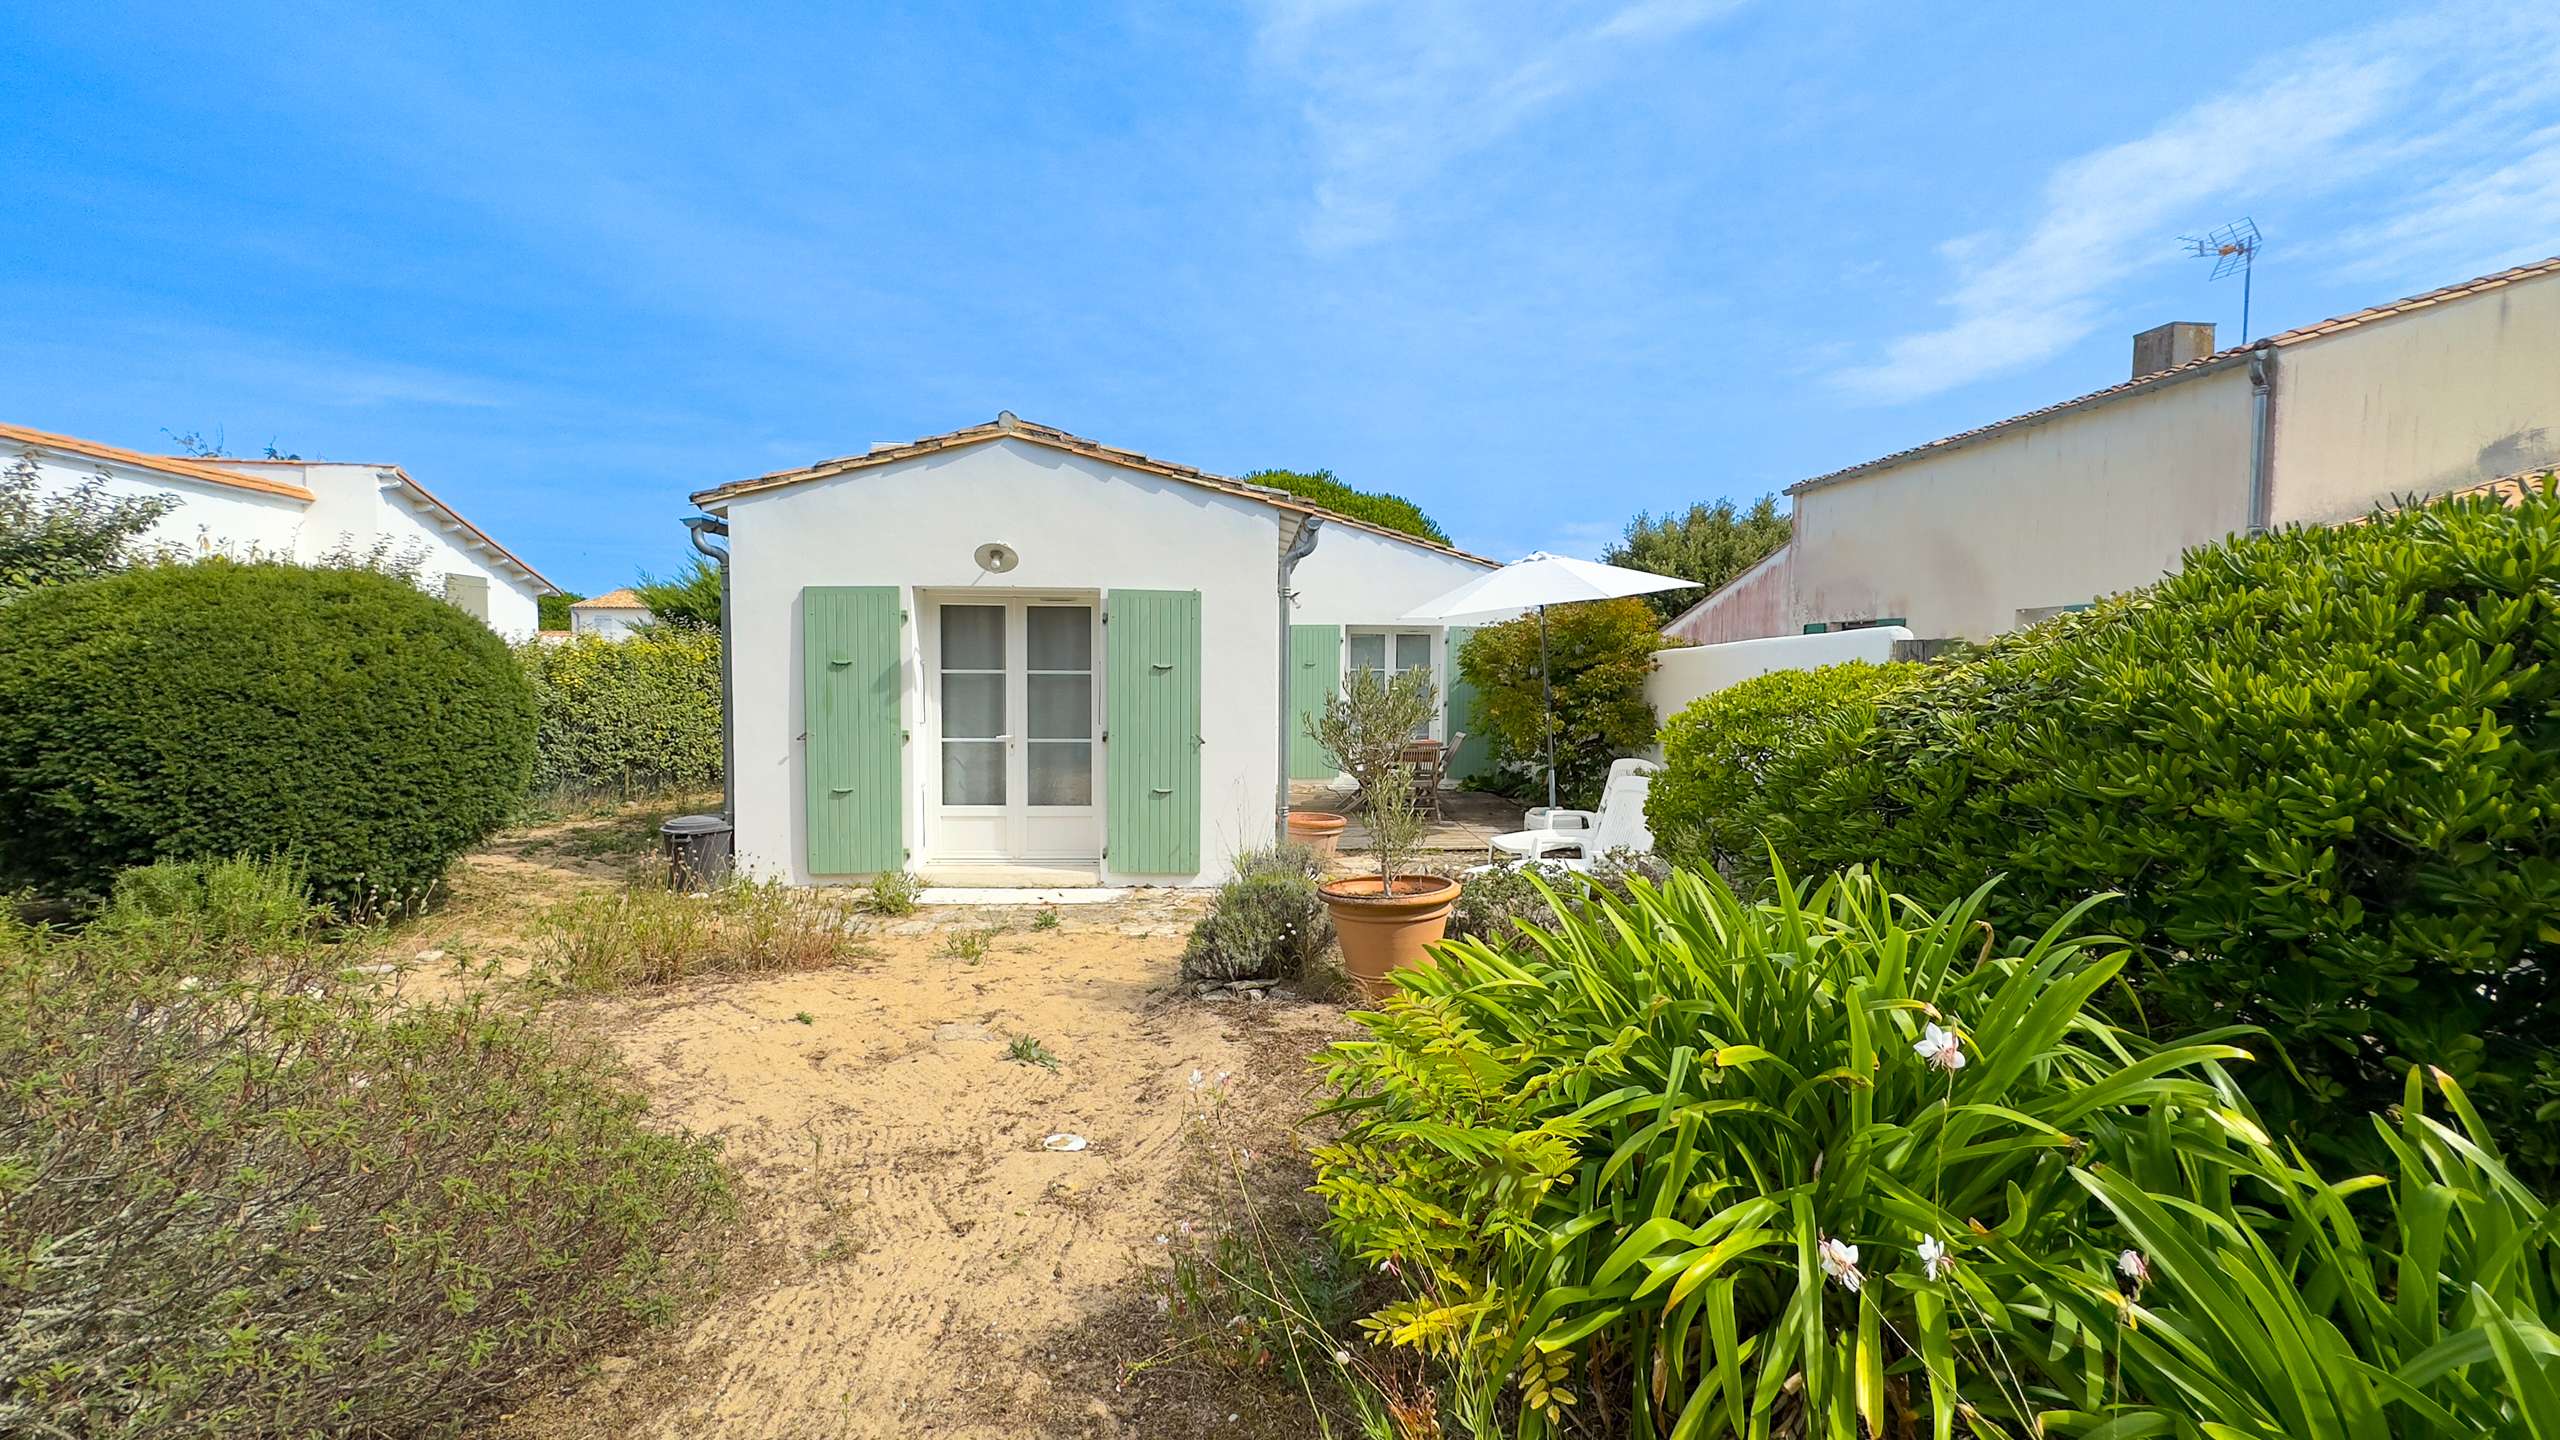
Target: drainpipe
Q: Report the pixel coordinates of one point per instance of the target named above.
(698, 526)
(2262, 437)
(1299, 549)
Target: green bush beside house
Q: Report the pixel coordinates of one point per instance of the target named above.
(339, 717)
(1598, 654)
(2321, 766)
(626, 716)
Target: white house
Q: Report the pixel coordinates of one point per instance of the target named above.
(1012, 655)
(299, 510)
(2005, 524)
(612, 615)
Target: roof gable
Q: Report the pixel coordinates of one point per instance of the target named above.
(1006, 426)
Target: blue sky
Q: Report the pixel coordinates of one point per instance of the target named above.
(1536, 266)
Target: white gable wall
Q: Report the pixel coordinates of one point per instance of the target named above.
(1358, 578)
(210, 518)
(1080, 525)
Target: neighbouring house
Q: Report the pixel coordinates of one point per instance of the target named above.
(1012, 654)
(612, 615)
(305, 511)
(2003, 525)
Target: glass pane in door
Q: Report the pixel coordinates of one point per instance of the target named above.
(1364, 652)
(1058, 694)
(973, 705)
(1413, 652)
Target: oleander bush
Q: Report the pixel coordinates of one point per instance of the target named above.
(1713, 1167)
(338, 717)
(1733, 755)
(2321, 766)
(250, 1195)
(636, 715)
(1267, 923)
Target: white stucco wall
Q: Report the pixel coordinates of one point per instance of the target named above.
(1080, 525)
(2418, 404)
(2059, 512)
(1362, 580)
(514, 604)
(1680, 676)
(612, 623)
(211, 518)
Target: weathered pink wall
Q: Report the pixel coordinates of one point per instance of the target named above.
(1753, 607)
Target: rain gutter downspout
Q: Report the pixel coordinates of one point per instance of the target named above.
(2262, 435)
(1302, 546)
(698, 526)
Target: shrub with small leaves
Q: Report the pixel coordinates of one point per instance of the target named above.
(267, 1199)
(631, 715)
(235, 908)
(1267, 923)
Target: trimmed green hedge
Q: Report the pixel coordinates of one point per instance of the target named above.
(340, 717)
(2322, 766)
(1768, 735)
(636, 714)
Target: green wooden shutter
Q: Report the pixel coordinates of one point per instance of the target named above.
(851, 652)
(1477, 756)
(1315, 672)
(1151, 650)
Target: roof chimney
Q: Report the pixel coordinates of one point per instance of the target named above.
(2163, 347)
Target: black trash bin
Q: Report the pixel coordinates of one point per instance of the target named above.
(700, 850)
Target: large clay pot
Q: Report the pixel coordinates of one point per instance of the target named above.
(1383, 933)
(1318, 830)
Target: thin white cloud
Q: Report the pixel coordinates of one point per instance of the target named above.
(1397, 90)
(2387, 108)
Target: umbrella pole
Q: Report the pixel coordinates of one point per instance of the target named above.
(1547, 692)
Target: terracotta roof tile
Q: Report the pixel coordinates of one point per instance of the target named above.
(182, 466)
(625, 598)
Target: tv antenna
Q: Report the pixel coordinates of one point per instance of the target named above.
(2233, 249)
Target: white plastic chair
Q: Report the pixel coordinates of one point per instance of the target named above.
(1574, 838)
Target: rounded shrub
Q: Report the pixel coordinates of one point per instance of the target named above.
(1731, 755)
(2321, 766)
(637, 714)
(1598, 654)
(338, 717)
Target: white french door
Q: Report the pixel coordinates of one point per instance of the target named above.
(1406, 650)
(1013, 773)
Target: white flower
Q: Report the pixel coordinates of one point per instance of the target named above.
(2132, 1266)
(1933, 1257)
(1196, 1077)
(1341, 1357)
(1940, 1047)
(1840, 1262)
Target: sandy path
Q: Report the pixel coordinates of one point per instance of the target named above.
(924, 1267)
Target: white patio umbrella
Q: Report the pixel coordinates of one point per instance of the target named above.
(1535, 582)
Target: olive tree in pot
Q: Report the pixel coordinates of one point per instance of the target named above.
(1385, 921)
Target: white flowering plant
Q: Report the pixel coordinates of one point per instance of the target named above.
(1805, 1161)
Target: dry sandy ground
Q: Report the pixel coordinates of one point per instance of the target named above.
(918, 1264)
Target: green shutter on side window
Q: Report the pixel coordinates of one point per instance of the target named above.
(1477, 757)
(851, 648)
(1315, 672)
(1151, 651)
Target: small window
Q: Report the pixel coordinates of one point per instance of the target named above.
(469, 594)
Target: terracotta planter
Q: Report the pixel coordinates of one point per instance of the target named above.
(1383, 933)
(1318, 830)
